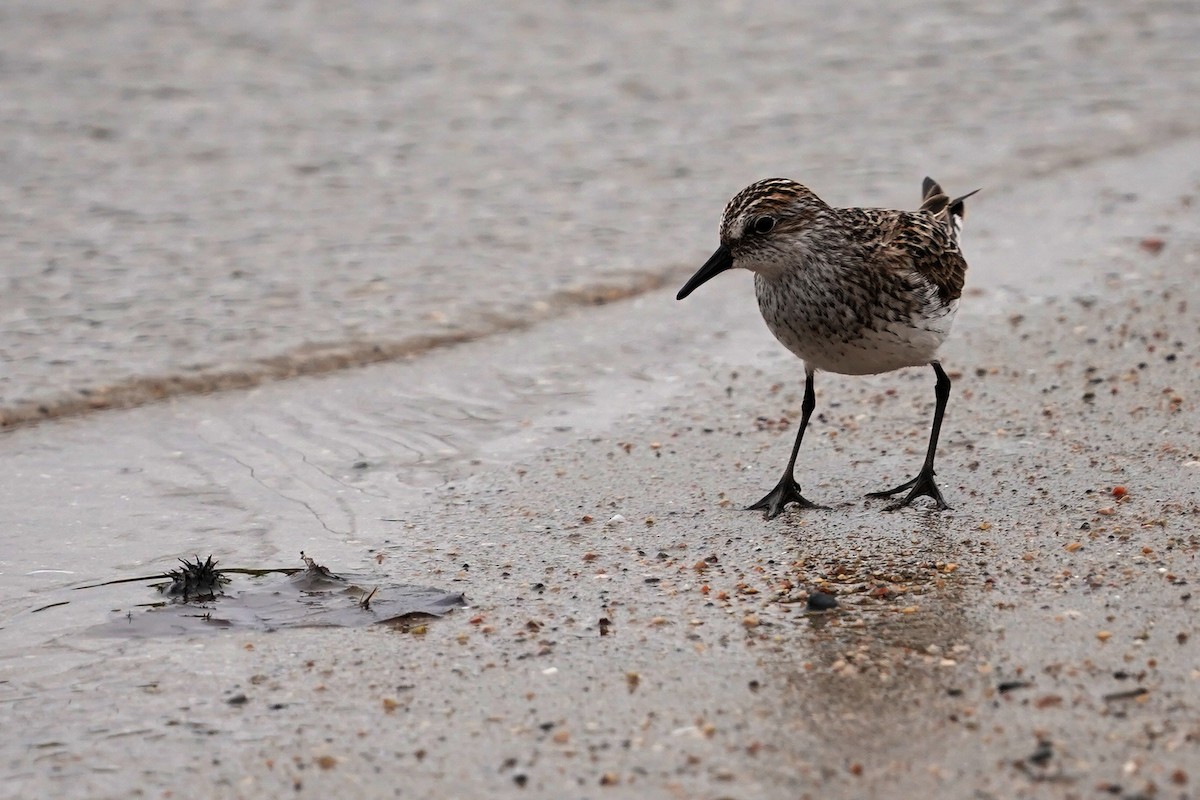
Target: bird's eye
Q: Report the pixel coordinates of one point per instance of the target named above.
(764, 224)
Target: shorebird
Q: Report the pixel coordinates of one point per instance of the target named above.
(857, 291)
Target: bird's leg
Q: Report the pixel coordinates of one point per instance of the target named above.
(923, 485)
(787, 490)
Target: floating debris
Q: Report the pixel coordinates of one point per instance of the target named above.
(268, 599)
(198, 580)
(315, 570)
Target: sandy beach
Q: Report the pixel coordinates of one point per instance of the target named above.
(285, 277)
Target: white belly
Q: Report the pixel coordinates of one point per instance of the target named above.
(852, 335)
(871, 351)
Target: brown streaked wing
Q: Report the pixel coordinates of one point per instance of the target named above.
(925, 244)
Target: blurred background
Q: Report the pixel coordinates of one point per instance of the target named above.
(198, 194)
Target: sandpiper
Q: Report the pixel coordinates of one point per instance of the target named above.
(858, 291)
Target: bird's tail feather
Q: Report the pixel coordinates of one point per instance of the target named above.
(936, 202)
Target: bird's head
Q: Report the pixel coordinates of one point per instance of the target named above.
(766, 228)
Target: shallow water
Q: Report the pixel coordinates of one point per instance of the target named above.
(265, 600)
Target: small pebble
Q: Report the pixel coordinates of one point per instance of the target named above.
(820, 601)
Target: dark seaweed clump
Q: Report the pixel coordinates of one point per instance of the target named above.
(198, 580)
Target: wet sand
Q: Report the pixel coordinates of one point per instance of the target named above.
(1036, 641)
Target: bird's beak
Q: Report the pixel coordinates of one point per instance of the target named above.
(718, 263)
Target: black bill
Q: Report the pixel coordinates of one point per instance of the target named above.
(718, 263)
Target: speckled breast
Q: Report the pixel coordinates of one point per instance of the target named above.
(854, 329)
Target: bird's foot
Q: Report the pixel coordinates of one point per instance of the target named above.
(787, 491)
(920, 486)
